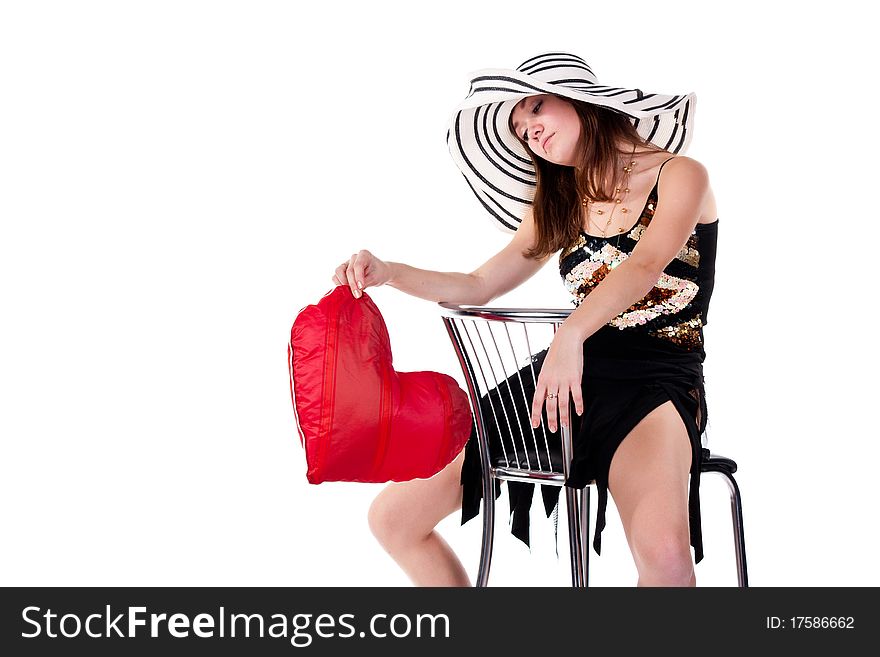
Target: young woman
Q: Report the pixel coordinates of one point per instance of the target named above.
(595, 173)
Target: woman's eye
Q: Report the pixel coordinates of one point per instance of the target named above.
(534, 111)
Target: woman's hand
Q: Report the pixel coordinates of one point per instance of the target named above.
(361, 271)
(560, 376)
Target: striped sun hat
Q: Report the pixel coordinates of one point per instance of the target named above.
(494, 162)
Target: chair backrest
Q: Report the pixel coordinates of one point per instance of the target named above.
(501, 351)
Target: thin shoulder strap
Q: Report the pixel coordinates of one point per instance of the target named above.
(661, 170)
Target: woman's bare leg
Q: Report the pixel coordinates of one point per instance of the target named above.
(649, 482)
(403, 517)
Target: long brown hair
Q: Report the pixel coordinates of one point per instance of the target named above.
(557, 208)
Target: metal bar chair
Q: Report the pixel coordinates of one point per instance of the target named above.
(498, 350)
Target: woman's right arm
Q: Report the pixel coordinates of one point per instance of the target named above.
(502, 273)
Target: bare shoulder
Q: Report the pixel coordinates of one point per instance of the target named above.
(685, 176)
(687, 170)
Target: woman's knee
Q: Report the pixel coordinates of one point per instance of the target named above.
(407, 512)
(664, 554)
(387, 521)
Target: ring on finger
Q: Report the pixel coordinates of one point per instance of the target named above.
(550, 395)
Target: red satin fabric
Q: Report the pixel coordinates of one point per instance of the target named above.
(358, 419)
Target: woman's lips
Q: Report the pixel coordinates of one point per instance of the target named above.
(544, 144)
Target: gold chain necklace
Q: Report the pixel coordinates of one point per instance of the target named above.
(625, 187)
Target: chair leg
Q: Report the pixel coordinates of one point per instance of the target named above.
(488, 531)
(584, 502)
(574, 536)
(742, 574)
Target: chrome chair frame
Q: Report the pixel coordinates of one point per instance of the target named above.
(577, 501)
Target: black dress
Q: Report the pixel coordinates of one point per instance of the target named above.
(649, 354)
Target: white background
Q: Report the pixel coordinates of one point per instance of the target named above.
(179, 179)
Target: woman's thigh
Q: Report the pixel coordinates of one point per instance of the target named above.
(416, 506)
(648, 478)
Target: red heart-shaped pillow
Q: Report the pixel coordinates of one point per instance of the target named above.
(358, 419)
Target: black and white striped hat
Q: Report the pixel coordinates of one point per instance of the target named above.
(494, 162)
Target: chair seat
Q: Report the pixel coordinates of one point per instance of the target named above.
(528, 461)
(717, 463)
(529, 476)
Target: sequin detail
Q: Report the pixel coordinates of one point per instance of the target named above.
(688, 254)
(687, 334)
(672, 309)
(668, 296)
(581, 241)
(586, 275)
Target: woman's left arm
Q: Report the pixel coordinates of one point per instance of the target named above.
(683, 190)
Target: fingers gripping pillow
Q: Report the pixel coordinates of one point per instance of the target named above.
(358, 419)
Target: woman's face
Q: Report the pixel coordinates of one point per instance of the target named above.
(550, 126)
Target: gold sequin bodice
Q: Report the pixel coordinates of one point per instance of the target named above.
(676, 308)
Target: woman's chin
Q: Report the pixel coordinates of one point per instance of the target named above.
(563, 162)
